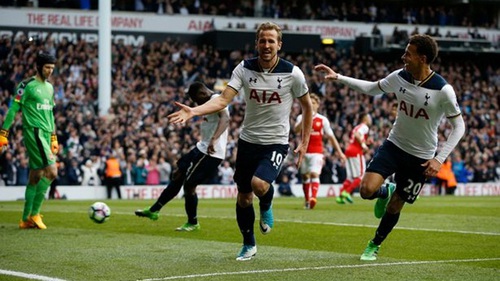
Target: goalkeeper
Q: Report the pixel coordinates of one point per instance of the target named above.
(35, 99)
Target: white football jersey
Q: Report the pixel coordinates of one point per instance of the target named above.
(208, 128)
(269, 97)
(421, 106)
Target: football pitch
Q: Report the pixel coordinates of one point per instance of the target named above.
(437, 238)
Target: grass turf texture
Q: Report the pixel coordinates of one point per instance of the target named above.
(437, 238)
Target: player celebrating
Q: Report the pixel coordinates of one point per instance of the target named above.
(356, 162)
(35, 99)
(313, 160)
(199, 164)
(269, 85)
(424, 97)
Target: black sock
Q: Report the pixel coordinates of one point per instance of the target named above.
(380, 193)
(191, 204)
(166, 195)
(266, 200)
(246, 219)
(387, 223)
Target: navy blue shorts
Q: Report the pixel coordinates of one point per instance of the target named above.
(407, 169)
(262, 161)
(198, 167)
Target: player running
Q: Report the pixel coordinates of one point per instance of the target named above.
(424, 98)
(356, 162)
(269, 85)
(200, 164)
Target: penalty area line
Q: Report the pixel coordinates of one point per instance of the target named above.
(28, 276)
(315, 268)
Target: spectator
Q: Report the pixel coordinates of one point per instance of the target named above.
(139, 173)
(165, 170)
(8, 169)
(90, 177)
(458, 167)
(74, 172)
(113, 175)
(226, 173)
(377, 34)
(153, 177)
(128, 178)
(22, 171)
(284, 187)
(436, 32)
(446, 179)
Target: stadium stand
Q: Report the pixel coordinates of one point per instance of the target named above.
(147, 79)
(481, 13)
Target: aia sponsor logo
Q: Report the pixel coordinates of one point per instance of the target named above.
(412, 111)
(264, 96)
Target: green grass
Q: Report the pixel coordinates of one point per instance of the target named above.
(437, 238)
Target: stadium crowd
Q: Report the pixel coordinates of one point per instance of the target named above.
(435, 13)
(147, 80)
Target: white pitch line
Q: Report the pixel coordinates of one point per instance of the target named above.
(314, 268)
(29, 276)
(349, 224)
(321, 223)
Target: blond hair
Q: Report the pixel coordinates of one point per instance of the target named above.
(269, 26)
(316, 98)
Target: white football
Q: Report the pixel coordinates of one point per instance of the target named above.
(99, 212)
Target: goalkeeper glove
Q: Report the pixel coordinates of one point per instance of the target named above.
(4, 141)
(54, 144)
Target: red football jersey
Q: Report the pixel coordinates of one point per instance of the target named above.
(354, 148)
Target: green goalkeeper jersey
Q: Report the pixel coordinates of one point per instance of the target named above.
(36, 101)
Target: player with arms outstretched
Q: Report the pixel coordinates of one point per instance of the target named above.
(424, 98)
(35, 99)
(200, 164)
(269, 85)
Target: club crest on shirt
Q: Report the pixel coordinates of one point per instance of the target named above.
(19, 94)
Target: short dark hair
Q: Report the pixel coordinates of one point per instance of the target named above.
(44, 58)
(426, 45)
(195, 88)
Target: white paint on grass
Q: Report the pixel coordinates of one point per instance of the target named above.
(321, 223)
(28, 276)
(349, 224)
(315, 268)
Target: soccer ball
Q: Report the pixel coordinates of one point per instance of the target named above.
(99, 212)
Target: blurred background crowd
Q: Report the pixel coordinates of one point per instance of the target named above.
(430, 12)
(146, 80)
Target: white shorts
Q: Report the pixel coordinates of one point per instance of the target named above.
(312, 163)
(355, 166)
